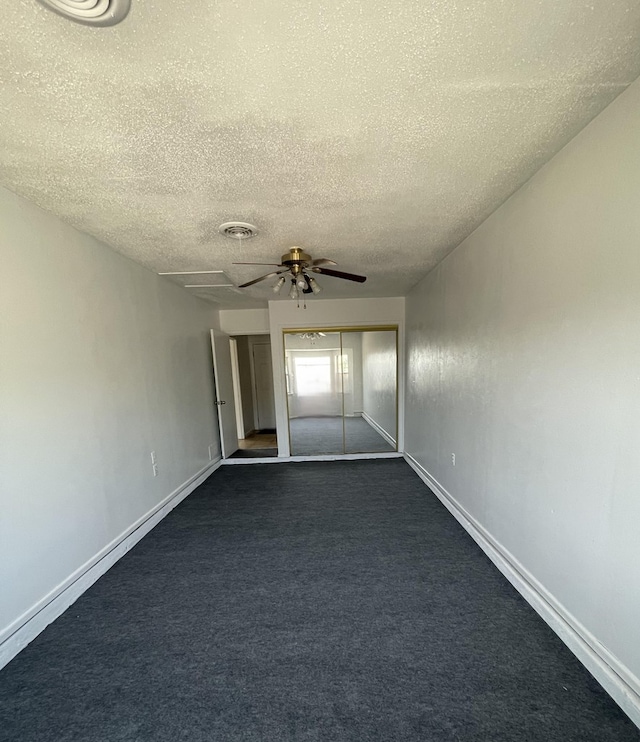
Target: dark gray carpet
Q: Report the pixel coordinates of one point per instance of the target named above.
(317, 601)
(313, 436)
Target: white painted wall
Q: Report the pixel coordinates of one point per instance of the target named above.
(523, 358)
(379, 353)
(244, 321)
(328, 313)
(101, 363)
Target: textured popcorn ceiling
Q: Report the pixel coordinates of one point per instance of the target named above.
(378, 134)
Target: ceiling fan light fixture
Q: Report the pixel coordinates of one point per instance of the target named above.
(298, 266)
(279, 284)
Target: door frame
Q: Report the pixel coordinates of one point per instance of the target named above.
(237, 390)
(267, 341)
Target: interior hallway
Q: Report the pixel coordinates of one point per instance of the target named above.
(257, 445)
(318, 601)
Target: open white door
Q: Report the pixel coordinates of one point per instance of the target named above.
(224, 393)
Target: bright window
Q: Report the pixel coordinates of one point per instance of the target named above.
(313, 375)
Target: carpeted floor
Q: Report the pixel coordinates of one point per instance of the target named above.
(303, 602)
(312, 436)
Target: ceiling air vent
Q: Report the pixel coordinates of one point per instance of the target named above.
(90, 12)
(238, 230)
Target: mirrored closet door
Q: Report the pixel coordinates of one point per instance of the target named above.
(342, 390)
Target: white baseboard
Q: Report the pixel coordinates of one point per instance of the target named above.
(319, 457)
(379, 429)
(26, 627)
(621, 684)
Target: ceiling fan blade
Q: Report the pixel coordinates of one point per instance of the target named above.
(323, 261)
(339, 274)
(255, 280)
(278, 264)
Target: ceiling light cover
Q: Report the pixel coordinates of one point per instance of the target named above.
(280, 283)
(90, 12)
(238, 230)
(315, 286)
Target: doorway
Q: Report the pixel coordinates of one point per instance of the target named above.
(341, 389)
(252, 372)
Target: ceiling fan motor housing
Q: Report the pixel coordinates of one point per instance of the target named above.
(296, 259)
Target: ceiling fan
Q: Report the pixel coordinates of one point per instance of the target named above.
(298, 265)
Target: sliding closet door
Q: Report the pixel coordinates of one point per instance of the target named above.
(370, 385)
(341, 391)
(314, 392)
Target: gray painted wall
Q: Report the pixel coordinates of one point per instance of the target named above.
(246, 384)
(379, 379)
(265, 413)
(523, 358)
(101, 363)
(352, 346)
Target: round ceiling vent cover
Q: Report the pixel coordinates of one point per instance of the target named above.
(90, 12)
(238, 230)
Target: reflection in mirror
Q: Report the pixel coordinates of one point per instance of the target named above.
(314, 392)
(341, 391)
(370, 387)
